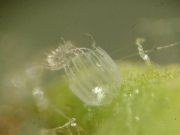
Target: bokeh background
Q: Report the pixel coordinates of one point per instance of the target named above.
(29, 28)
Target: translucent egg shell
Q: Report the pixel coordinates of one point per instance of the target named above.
(93, 77)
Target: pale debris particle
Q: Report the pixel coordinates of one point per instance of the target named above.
(41, 100)
(136, 118)
(99, 92)
(136, 91)
(142, 53)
